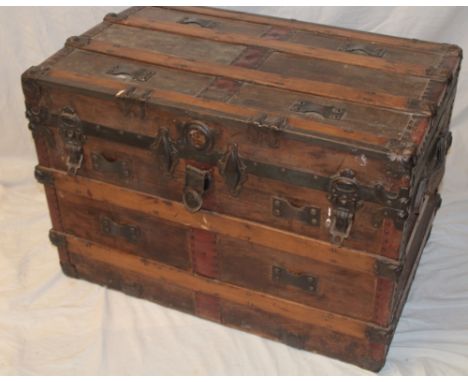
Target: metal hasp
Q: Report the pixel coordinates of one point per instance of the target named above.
(303, 281)
(345, 199)
(73, 138)
(197, 182)
(233, 170)
(112, 228)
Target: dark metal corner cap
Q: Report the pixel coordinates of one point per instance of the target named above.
(388, 270)
(379, 335)
(56, 238)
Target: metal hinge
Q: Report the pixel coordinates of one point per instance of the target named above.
(71, 131)
(345, 199)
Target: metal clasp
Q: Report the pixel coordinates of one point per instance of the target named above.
(197, 183)
(345, 199)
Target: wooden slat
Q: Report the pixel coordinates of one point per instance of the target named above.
(328, 90)
(280, 46)
(397, 42)
(222, 224)
(308, 126)
(174, 276)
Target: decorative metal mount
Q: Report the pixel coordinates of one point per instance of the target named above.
(73, 138)
(165, 151)
(233, 170)
(266, 130)
(345, 198)
(197, 136)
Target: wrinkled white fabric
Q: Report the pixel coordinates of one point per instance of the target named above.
(51, 324)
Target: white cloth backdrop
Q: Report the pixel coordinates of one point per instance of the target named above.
(50, 324)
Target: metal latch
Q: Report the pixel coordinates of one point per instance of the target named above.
(197, 183)
(73, 138)
(345, 199)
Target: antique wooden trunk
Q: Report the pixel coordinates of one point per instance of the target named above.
(274, 176)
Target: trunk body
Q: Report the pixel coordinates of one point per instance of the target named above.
(281, 177)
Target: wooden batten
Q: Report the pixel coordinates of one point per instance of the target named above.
(398, 42)
(329, 90)
(305, 126)
(222, 224)
(235, 294)
(417, 70)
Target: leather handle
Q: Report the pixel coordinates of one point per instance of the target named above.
(118, 167)
(112, 228)
(302, 281)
